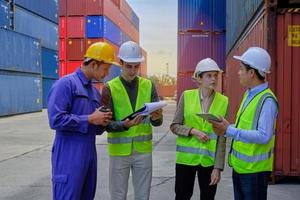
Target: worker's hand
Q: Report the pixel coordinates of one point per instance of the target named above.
(200, 135)
(102, 118)
(220, 127)
(215, 177)
(156, 114)
(137, 120)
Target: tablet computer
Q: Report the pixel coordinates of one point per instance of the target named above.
(208, 116)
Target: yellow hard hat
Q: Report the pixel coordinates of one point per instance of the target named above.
(101, 51)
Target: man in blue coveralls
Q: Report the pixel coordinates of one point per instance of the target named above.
(75, 112)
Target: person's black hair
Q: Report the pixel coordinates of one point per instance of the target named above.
(248, 67)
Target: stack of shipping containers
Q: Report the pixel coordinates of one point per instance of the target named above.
(275, 26)
(29, 61)
(39, 19)
(28, 36)
(201, 34)
(83, 22)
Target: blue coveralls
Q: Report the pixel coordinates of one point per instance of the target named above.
(74, 159)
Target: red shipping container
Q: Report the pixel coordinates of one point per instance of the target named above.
(126, 9)
(62, 49)
(76, 27)
(184, 82)
(127, 27)
(94, 7)
(91, 41)
(62, 27)
(75, 49)
(255, 36)
(116, 2)
(287, 151)
(283, 80)
(71, 66)
(63, 8)
(76, 7)
(62, 68)
(193, 47)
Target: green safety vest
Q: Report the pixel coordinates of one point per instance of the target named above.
(248, 158)
(189, 150)
(137, 137)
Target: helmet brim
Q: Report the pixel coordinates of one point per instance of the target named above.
(133, 60)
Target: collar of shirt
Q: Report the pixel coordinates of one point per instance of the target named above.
(133, 82)
(201, 96)
(83, 78)
(252, 92)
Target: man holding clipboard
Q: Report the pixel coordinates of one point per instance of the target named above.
(130, 140)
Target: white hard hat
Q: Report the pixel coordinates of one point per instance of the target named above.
(206, 65)
(257, 58)
(130, 52)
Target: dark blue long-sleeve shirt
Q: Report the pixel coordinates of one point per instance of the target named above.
(71, 99)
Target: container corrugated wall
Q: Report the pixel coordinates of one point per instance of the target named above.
(75, 27)
(102, 27)
(255, 36)
(49, 63)
(201, 34)
(193, 48)
(20, 93)
(112, 21)
(35, 26)
(75, 7)
(4, 14)
(239, 13)
(284, 48)
(287, 151)
(195, 15)
(19, 52)
(47, 9)
(47, 84)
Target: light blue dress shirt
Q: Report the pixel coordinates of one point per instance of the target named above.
(266, 121)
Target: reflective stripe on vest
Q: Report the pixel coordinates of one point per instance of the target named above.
(137, 137)
(195, 151)
(189, 150)
(123, 140)
(251, 157)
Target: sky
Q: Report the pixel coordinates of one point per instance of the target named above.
(158, 34)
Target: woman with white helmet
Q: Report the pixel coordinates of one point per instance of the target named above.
(198, 150)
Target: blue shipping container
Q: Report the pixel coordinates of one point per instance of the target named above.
(195, 15)
(124, 37)
(47, 84)
(47, 9)
(35, 26)
(219, 15)
(20, 93)
(19, 52)
(202, 15)
(49, 63)
(102, 27)
(135, 21)
(4, 14)
(238, 14)
(114, 71)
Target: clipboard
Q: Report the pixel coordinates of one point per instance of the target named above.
(209, 116)
(146, 110)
